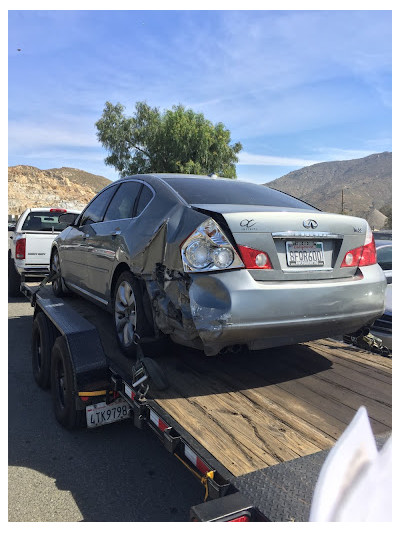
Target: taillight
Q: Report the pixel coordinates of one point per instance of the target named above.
(20, 248)
(363, 255)
(207, 248)
(255, 258)
(243, 518)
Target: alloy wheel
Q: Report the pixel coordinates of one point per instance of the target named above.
(125, 313)
(55, 268)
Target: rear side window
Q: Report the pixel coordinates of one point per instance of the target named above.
(226, 191)
(43, 221)
(95, 210)
(145, 196)
(123, 203)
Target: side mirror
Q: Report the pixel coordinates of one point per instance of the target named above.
(12, 227)
(67, 219)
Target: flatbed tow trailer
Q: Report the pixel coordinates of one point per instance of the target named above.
(254, 428)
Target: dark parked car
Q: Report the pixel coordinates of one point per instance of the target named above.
(383, 235)
(214, 263)
(384, 258)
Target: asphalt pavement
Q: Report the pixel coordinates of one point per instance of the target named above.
(114, 473)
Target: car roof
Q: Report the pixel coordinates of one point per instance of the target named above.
(382, 234)
(165, 175)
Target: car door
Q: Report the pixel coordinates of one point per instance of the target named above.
(77, 244)
(109, 238)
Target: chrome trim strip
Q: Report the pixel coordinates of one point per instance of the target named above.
(104, 302)
(308, 234)
(306, 268)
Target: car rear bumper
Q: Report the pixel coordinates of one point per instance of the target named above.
(232, 308)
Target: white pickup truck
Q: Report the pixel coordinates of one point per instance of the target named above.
(30, 244)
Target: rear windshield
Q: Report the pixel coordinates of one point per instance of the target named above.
(43, 221)
(226, 191)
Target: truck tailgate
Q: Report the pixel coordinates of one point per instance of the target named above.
(38, 247)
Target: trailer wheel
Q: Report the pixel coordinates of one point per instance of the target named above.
(62, 387)
(43, 337)
(129, 315)
(14, 279)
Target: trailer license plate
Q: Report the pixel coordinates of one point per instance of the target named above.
(305, 253)
(101, 413)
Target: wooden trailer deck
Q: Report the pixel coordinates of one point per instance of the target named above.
(262, 408)
(276, 405)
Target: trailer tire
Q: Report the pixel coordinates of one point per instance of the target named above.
(128, 312)
(14, 279)
(62, 387)
(43, 337)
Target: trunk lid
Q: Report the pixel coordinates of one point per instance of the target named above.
(301, 244)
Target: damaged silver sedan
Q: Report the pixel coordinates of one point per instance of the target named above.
(215, 263)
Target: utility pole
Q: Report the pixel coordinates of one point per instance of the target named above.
(343, 188)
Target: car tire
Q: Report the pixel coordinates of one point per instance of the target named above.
(129, 317)
(62, 388)
(58, 283)
(14, 279)
(43, 337)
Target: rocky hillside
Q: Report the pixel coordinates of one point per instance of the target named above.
(366, 184)
(55, 187)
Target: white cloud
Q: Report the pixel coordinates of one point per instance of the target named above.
(343, 154)
(28, 135)
(245, 158)
(61, 154)
(324, 154)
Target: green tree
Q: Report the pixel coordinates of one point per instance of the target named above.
(177, 140)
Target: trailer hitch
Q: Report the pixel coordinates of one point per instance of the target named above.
(364, 339)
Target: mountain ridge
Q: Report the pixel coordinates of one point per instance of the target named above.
(359, 187)
(364, 184)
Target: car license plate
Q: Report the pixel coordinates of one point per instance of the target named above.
(101, 413)
(305, 253)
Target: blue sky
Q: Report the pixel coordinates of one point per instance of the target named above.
(294, 87)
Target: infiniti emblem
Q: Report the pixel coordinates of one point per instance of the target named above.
(310, 224)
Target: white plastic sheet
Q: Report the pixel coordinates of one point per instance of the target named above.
(355, 482)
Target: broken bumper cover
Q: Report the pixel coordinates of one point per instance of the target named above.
(232, 308)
